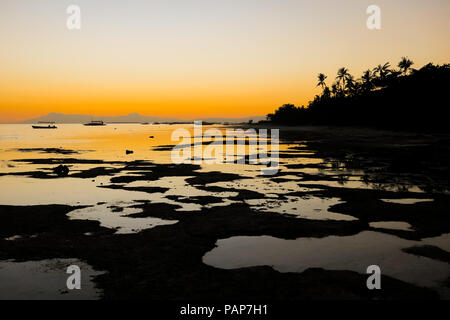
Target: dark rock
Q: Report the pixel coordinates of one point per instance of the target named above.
(61, 170)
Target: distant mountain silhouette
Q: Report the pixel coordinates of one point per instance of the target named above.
(130, 118)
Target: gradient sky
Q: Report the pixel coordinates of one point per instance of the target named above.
(195, 58)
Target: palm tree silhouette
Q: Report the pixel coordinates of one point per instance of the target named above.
(350, 84)
(334, 89)
(342, 75)
(367, 79)
(393, 96)
(321, 77)
(326, 92)
(405, 64)
(382, 70)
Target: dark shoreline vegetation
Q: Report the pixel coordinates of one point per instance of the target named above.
(165, 262)
(383, 97)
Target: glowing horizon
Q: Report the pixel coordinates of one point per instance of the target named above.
(202, 58)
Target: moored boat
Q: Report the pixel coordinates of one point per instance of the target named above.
(45, 127)
(95, 123)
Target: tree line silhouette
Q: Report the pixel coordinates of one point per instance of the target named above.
(383, 97)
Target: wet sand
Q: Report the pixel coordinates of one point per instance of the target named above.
(359, 169)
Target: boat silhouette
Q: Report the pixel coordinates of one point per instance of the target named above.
(95, 123)
(45, 127)
(49, 125)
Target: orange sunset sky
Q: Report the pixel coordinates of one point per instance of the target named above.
(187, 59)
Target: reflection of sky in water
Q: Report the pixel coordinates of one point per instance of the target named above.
(110, 142)
(443, 241)
(406, 201)
(45, 280)
(106, 143)
(262, 185)
(392, 225)
(314, 208)
(356, 184)
(118, 220)
(353, 253)
(71, 191)
(179, 187)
